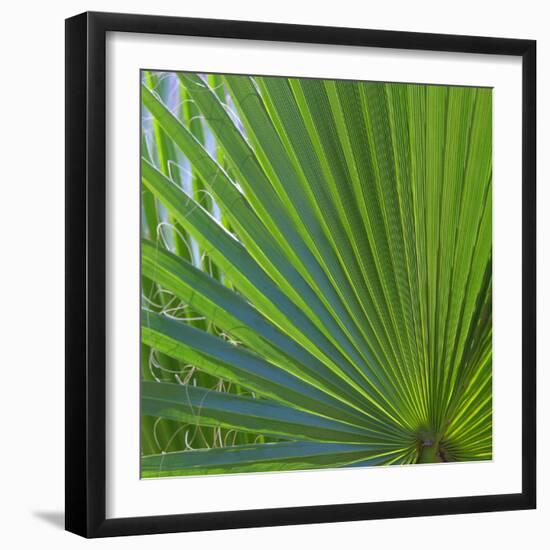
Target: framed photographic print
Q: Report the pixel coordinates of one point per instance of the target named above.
(300, 274)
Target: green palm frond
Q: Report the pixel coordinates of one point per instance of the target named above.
(316, 274)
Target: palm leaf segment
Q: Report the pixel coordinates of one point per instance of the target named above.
(334, 245)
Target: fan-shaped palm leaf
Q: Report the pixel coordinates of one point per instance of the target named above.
(316, 274)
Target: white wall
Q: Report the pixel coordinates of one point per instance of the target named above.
(31, 214)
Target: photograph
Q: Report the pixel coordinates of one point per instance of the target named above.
(274, 275)
(316, 273)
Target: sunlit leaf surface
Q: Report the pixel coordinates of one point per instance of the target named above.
(316, 274)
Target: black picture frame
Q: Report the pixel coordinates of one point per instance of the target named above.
(86, 274)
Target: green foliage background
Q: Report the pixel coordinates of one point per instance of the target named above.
(316, 273)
